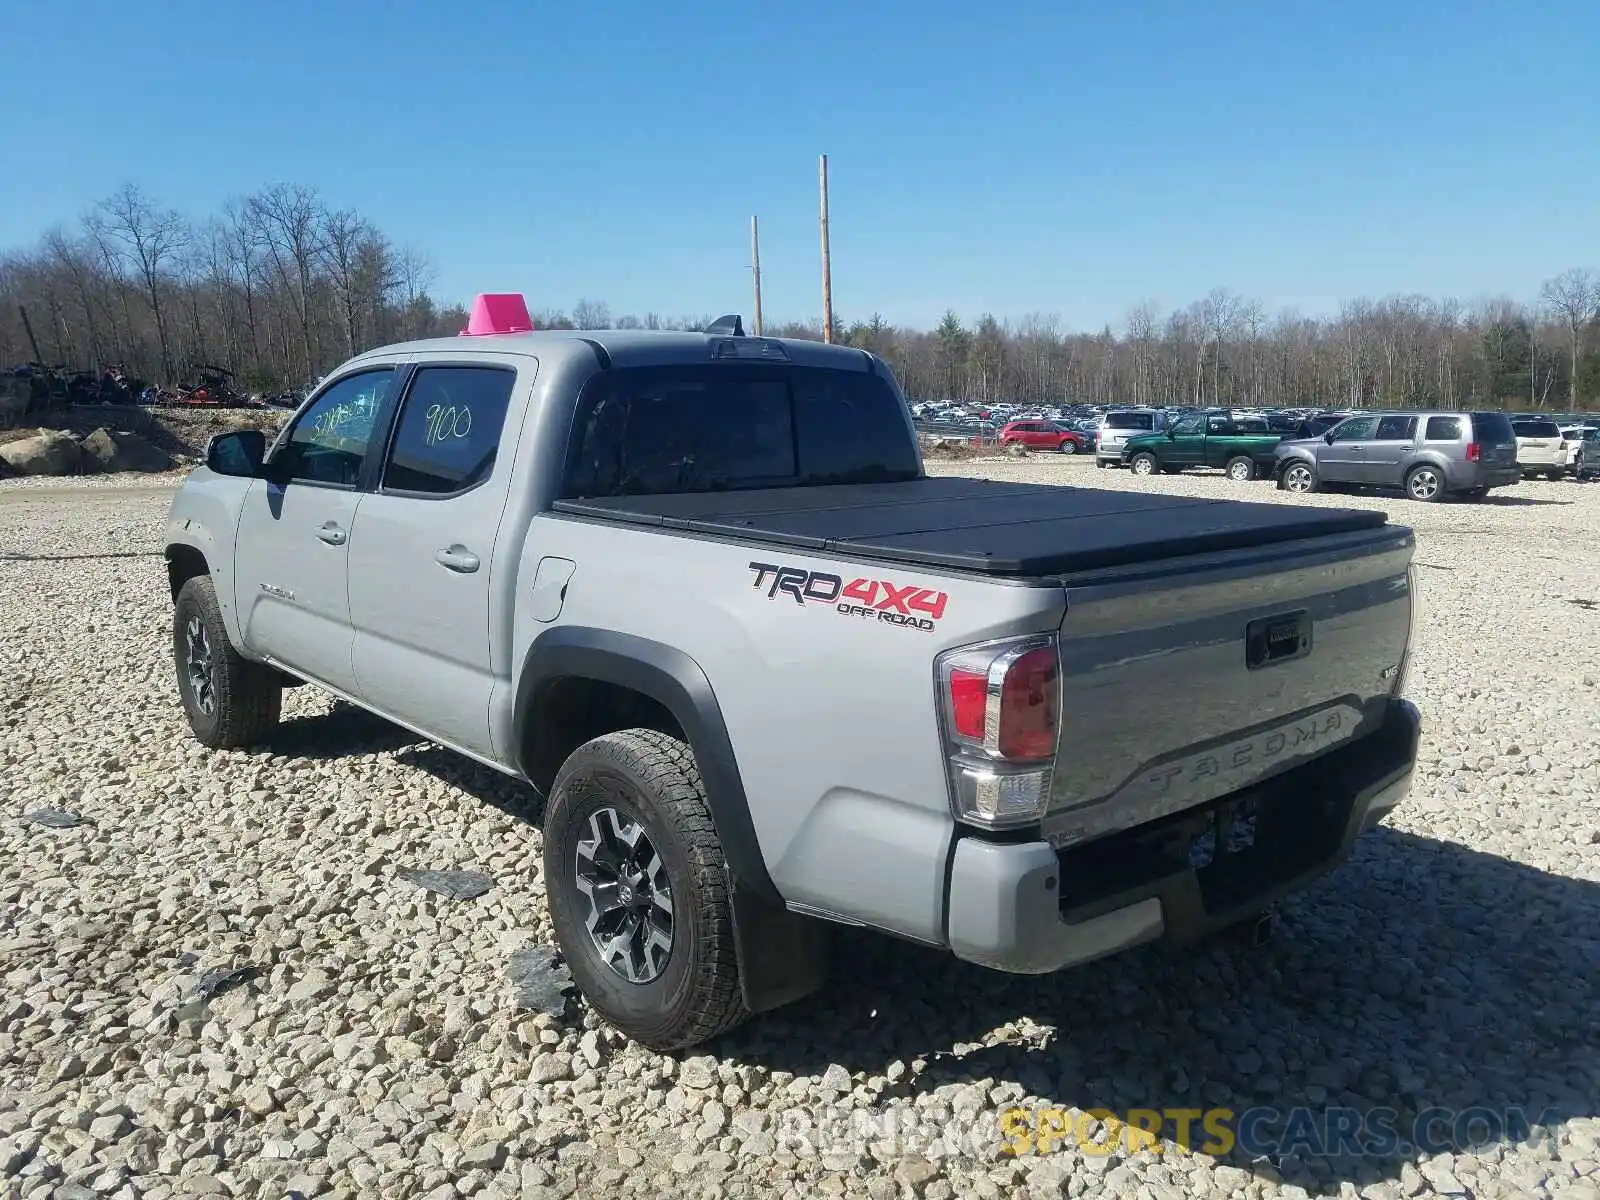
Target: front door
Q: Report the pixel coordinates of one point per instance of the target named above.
(1386, 453)
(1187, 445)
(1344, 459)
(294, 533)
(422, 551)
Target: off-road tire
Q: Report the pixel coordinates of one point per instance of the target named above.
(246, 697)
(652, 778)
(1240, 468)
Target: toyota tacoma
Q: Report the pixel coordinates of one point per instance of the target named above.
(773, 678)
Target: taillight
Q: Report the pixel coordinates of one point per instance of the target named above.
(1474, 452)
(1000, 706)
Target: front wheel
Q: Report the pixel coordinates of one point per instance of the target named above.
(1241, 469)
(638, 890)
(229, 700)
(1068, 446)
(1425, 484)
(1144, 464)
(1300, 477)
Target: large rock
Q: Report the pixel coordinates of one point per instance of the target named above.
(108, 450)
(48, 452)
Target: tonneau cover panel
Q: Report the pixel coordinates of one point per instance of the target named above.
(982, 525)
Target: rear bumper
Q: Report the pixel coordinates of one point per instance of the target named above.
(1028, 908)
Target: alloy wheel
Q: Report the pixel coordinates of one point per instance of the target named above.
(1424, 484)
(1297, 479)
(629, 896)
(198, 665)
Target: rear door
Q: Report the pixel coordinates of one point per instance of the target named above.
(1344, 460)
(422, 547)
(294, 532)
(1496, 440)
(1386, 454)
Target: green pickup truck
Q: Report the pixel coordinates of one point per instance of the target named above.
(1242, 447)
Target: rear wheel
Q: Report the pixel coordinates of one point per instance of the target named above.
(1143, 464)
(1101, 463)
(1068, 446)
(638, 890)
(1425, 484)
(1555, 476)
(1241, 469)
(230, 701)
(1298, 477)
(1478, 493)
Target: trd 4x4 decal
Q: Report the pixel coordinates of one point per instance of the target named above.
(909, 606)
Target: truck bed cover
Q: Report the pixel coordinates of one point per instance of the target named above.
(981, 525)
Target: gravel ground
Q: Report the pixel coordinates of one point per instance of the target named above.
(375, 1045)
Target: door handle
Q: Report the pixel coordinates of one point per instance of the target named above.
(456, 558)
(332, 534)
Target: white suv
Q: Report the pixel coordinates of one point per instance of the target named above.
(1572, 444)
(1540, 448)
(1120, 424)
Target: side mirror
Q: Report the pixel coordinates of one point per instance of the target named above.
(1172, 435)
(1328, 437)
(239, 453)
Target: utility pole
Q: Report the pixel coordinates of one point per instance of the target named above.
(755, 267)
(827, 274)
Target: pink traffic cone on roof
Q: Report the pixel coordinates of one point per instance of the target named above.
(498, 312)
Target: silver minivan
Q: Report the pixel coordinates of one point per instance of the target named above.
(1120, 424)
(1430, 455)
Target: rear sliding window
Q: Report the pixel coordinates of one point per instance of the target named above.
(705, 428)
(1494, 428)
(1536, 429)
(1130, 421)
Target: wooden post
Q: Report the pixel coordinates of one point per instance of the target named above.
(827, 273)
(755, 268)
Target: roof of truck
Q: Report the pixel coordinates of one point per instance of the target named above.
(624, 344)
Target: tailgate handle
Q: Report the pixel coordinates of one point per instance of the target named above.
(1277, 639)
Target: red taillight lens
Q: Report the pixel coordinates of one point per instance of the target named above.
(1028, 706)
(1474, 452)
(969, 701)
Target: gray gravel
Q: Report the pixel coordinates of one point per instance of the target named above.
(224, 985)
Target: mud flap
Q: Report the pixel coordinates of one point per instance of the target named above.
(782, 956)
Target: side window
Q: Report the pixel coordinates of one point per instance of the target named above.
(328, 444)
(1356, 429)
(449, 429)
(1220, 426)
(1443, 429)
(1189, 425)
(1396, 429)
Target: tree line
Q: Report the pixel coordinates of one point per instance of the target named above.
(281, 285)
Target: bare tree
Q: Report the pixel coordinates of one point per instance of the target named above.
(153, 236)
(288, 223)
(1574, 296)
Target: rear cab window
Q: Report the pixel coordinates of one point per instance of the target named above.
(726, 427)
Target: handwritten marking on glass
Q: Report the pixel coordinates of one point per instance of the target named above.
(447, 421)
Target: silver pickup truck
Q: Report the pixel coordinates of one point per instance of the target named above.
(771, 677)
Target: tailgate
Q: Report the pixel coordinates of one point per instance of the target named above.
(1193, 678)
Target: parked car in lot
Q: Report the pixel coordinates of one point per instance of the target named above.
(1042, 435)
(1430, 455)
(1120, 424)
(1572, 443)
(1541, 450)
(693, 588)
(1239, 446)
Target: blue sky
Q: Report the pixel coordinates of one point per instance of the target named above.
(1024, 157)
